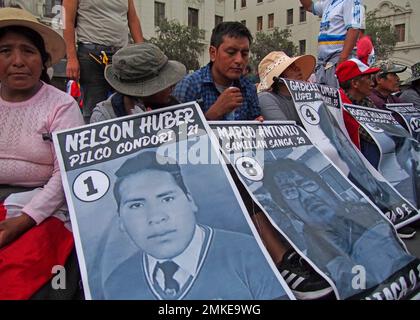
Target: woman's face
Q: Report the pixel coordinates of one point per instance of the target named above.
(20, 63)
(293, 72)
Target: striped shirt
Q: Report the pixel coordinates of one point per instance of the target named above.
(337, 16)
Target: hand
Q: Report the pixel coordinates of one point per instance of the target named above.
(73, 69)
(13, 228)
(228, 101)
(259, 118)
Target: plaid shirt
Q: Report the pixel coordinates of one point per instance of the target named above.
(200, 87)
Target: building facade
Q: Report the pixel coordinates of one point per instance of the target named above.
(264, 15)
(204, 14)
(47, 11)
(257, 15)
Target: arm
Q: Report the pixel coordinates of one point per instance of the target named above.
(349, 44)
(353, 15)
(189, 89)
(228, 101)
(70, 10)
(134, 23)
(307, 4)
(13, 228)
(51, 197)
(270, 109)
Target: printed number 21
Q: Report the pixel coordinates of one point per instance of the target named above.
(91, 188)
(193, 130)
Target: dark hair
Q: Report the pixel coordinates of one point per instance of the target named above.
(287, 165)
(231, 29)
(277, 84)
(148, 160)
(36, 39)
(379, 76)
(346, 85)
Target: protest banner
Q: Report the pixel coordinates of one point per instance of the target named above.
(319, 211)
(411, 116)
(319, 109)
(398, 152)
(145, 224)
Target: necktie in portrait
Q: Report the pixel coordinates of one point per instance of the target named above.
(168, 268)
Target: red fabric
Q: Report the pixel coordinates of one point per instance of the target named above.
(352, 68)
(364, 49)
(73, 89)
(352, 125)
(26, 263)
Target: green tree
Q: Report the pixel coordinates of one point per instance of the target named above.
(382, 34)
(264, 43)
(179, 42)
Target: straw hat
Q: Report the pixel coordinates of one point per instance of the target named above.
(54, 43)
(141, 70)
(276, 62)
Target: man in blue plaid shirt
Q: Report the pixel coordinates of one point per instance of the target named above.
(219, 87)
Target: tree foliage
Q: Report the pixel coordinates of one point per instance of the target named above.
(382, 34)
(264, 43)
(179, 42)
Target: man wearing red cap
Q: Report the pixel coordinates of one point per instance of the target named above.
(356, 82)
(355, 87)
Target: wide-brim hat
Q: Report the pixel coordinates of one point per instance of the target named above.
(276, 62)
(388, 66)
(141, 70)
(415, 73)
(54, 42)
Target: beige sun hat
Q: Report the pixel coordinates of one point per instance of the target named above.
(54, 43)
(276, 62)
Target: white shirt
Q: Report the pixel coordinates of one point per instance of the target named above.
(187, 261)
(337, 16)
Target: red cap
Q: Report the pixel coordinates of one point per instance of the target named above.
(352, 68)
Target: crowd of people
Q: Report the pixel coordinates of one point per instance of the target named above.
(139, 77)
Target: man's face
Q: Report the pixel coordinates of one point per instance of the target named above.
(391, 83)
(157, 215)
(293, 72)
(306, 197)
(363, 85)
(229, 59)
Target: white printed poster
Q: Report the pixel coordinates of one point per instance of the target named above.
(156, 215)
(319, 108)
(399, 153)
(319, 211)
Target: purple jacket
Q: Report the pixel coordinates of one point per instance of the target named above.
(380, 100)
